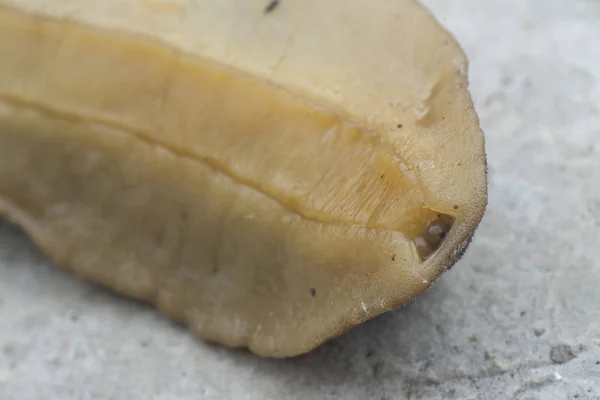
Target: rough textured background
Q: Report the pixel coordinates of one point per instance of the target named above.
(518, 318)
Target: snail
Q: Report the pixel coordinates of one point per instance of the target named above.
(270, 174)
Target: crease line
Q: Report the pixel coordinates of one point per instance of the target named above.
(206, 161)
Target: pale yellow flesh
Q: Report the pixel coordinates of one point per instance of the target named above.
(257, 206)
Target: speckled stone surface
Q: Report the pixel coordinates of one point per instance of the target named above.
(517, 318)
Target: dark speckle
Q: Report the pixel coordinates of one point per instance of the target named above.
(271, 6)
(455, 206)
(461, 252)
(377, 367)
(597, 362)
(382, 176)
(539, 332)
(394, 257)
(443, 235)
(523, 313)
(399, 126)
(506, 80)
(459, 164)
(313, 292)
(561, 354)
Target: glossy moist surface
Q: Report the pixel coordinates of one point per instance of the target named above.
(241, 170)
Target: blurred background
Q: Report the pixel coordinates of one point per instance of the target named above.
(517, 318)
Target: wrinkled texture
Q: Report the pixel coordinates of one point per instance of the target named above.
(528, 284)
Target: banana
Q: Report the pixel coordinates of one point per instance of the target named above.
(270, 174)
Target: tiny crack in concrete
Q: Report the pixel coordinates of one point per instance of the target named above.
(490, 372)
(534, 384)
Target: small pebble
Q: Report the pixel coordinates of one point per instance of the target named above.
(561, 354)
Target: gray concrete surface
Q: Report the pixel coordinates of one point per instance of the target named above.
(518, 318)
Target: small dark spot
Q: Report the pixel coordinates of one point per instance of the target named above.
(369, 354)
(561, 354)
(443, 117)
(506, 80)
(455, 206)
(399, 126)
(394, 257)
(377, 368)
(184, 215)
(487, 356)
(439, 215)
(473, 339)
(271, 6)
(539, 332)
(74, 317)
(443, 235)
(459, 164)
(597, 362)
(523, 313)
(313, 292)
(8, 350)
(382, 176)
(576, 396)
